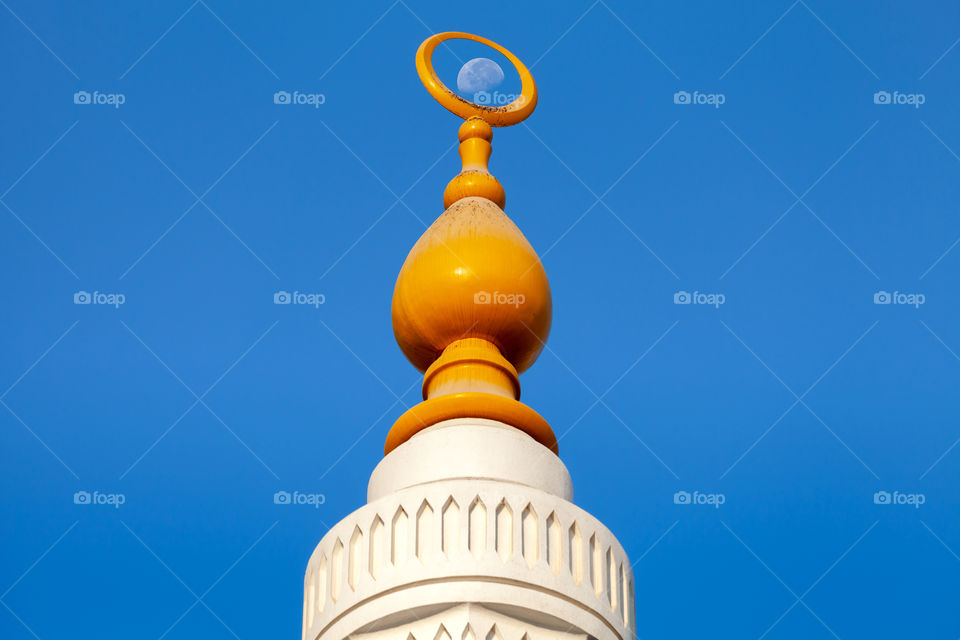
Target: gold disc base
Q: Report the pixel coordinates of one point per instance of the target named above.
(470, 405)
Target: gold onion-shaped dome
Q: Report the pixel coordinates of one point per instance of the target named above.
(472, 274)
(471, 307)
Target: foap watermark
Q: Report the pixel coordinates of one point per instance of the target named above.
(712, 499)
(99, 297)
(896, 97)
(298, 97)
(299, 297)
(899, 297)
(499, 298)
(699, 297)
(896, 497)
(112, 499)
(96, 97)
(496, 99)
(697, 97)
(296, 497)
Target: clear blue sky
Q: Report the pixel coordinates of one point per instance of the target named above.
(798, 199)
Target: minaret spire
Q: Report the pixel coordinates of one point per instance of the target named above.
(472, 306)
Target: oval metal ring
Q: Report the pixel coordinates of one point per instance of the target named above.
(511, 114)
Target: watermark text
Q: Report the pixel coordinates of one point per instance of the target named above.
(699, 297)
(499, 298)
(899, 297)
(712, 499)
(96, 97)
(299, 297)
(99, 297)
(697, 97)
(97, 498)
(298, 97)
(899, 498)
(296, 497)
(896, 97)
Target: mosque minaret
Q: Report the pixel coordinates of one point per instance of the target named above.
(470, 530)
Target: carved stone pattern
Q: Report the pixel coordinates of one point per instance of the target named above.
(434, 532)
(471, 622)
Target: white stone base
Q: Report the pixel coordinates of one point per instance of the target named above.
(471, 448)
(462, 557)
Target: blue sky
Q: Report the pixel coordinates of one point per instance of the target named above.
(827, 175)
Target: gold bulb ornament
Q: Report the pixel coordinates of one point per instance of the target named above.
(471, 307)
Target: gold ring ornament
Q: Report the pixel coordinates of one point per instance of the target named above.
(513, 113)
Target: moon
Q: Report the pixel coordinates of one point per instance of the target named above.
(479, 74)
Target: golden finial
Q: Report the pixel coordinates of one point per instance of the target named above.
(471, 307)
